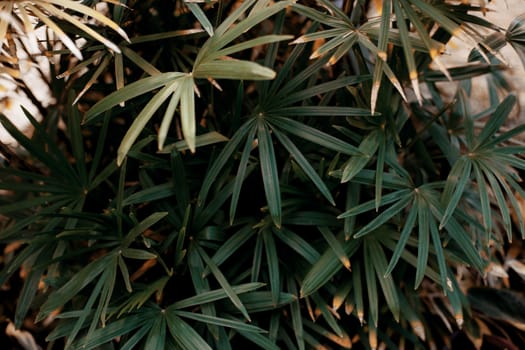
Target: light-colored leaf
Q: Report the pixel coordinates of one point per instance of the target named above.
(168, 117)
(143, 118)
(201, 17)
(187, 111)
(86, 10)
(233, 69)
(130, 91)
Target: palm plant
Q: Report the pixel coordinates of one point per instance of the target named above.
(287, 174)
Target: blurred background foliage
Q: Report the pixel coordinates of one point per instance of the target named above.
(261, 174)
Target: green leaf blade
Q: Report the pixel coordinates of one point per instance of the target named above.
(269, 171)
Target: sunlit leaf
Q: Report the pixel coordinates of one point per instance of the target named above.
(233, 69)
(128, 92)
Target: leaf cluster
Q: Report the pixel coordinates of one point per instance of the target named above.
(284, 174)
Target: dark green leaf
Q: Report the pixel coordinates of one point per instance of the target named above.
(269, 171)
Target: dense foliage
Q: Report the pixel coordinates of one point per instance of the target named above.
(280, 174)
